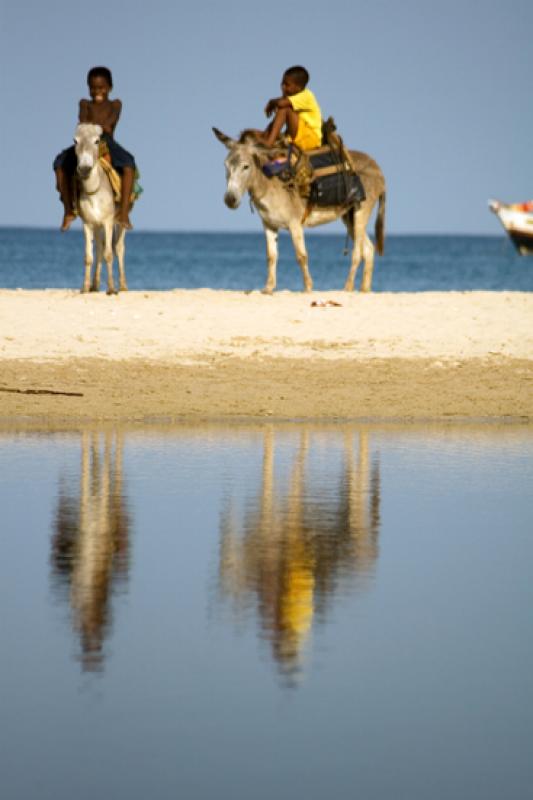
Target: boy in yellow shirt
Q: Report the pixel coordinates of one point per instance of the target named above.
(297, 110)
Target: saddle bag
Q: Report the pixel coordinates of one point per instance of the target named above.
(334, 183)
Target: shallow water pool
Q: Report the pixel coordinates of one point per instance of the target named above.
(266, 611)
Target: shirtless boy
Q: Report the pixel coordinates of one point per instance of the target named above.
(99, 110)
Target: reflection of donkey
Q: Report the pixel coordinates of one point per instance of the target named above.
(280, 208)
(90, 545)
(299, 544)
(96, 205)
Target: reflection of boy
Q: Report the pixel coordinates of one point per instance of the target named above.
(297, 110)
(99, 110)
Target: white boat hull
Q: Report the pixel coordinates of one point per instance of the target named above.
(518, 225)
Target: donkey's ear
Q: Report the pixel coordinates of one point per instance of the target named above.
(226, 140)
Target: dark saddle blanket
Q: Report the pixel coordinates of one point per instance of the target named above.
(333, 182)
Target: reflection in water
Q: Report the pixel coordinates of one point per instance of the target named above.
(90, 541)
(299, 543)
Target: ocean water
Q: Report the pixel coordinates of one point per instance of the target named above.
(266, 611)
(39, 259)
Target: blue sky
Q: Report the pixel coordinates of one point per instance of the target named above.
(440, 94)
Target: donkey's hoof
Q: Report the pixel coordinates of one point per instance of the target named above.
(94, 289)
(111, 291)
(267, 290)
(348, 287)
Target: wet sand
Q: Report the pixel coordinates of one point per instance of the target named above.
(212, 355)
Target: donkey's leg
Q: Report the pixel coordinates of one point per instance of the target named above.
(368, 255)
(120, 249)
(356, 224)
(99, 243)
(108, 256)
(298, 240)
(88, 234)
(271, 237)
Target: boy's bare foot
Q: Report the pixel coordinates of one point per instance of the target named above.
(68, 219)
(124, 222)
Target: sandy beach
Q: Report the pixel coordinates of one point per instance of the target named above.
(221, 354)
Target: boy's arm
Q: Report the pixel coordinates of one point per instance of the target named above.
(114, 114)
(275, 103)
(83, 115)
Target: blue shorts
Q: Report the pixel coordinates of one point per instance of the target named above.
(120, 158)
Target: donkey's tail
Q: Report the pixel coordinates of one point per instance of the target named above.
(380, 225)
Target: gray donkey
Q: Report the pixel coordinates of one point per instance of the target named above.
(96, 204)
(280, 208)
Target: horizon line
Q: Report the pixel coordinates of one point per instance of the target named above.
(240, 232)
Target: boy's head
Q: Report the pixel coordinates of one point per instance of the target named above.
(100, 72)
(100, 83)
(294, 80)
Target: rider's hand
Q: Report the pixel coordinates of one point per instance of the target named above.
(271, 106)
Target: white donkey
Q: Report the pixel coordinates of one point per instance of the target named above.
(96, 205)
(280, 208)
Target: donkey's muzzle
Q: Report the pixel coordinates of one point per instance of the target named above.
(231, 200)
(84, 172)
